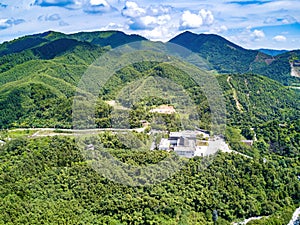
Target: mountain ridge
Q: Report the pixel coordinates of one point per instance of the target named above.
(26, 77)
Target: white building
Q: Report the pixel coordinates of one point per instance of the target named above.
(186, 143)
(164, 144)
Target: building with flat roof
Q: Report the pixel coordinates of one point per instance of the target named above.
(185, 143)
(164, 144)
(164, 109)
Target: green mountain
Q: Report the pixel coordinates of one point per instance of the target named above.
(272, 52)
(38, 82)
(48, 67)
(46, 180)
(224, 56)
(227, 57)
(101, 38)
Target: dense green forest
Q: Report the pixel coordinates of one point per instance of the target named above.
(41, 71)
(46, 181)
(227, 57)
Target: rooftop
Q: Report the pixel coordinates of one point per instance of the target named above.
(163, 109)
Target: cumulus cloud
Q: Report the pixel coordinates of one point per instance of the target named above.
(149, 18)
(98, 6)
(148, 22)
(53, 17)
(159, 10)
(190, 20)
(279, 38)
(88, 6)
(218, 29)
(248, 37)
(257, 35)
(207, 17)
(63, 23)
(287, 19)
(132, 9)
(7, 23)
(113, 26)
(4, 24)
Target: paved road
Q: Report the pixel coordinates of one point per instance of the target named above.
(58, 131)
(295, 217)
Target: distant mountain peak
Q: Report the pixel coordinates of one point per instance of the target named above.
(272, 52)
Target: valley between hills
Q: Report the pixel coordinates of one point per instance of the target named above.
(57, 148)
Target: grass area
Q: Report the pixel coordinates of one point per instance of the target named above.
(16, 133)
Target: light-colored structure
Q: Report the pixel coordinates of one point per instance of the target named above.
(185, 143)
(164, 109)
(164, 144)
(201, 150)
(248, 142)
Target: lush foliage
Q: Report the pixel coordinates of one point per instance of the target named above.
(47, 181)
(226, 57)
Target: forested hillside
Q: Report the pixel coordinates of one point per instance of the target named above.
(227, 57)
(47, 180)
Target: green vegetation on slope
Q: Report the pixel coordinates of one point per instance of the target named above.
(46, 181)
(226, 57)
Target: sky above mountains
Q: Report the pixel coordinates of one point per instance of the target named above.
(249, 23)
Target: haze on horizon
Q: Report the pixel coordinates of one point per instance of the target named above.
(250, 23)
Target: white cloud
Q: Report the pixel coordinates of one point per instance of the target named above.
(132, 9)
(161, 33)
(149, 18)
(190, 20)
(98, 6)
(218, 29)
(4, 23)
(287, 19)
(248, 37)
(99, 2)
(7, 23)
(159, 10)
(257, 35)
(53, 17)
(63, 23)
(279, 38)
(113, 26)
(148, 22)
(207, 16)
(157, 21)
(88, 6)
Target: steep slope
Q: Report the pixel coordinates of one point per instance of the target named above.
(227, 57)
(101, 38)
(272, 52)
(107, 38)
(38, 84)
(224, 56)
(47, 181)
(253, 99)
(59, 63)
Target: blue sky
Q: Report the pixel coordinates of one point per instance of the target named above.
(249, 23)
